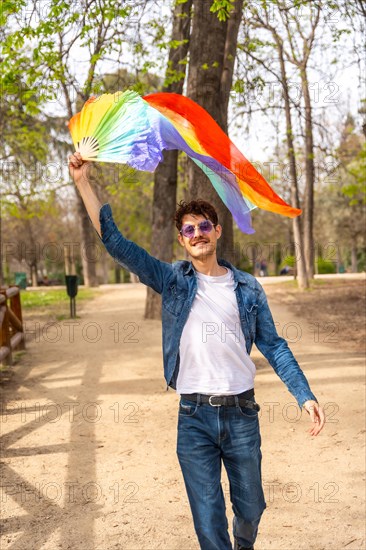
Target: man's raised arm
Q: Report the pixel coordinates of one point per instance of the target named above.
(151, 271)
(79, 172)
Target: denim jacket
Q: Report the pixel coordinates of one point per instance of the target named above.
(177, 285)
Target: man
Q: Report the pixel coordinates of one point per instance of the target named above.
(211, 315)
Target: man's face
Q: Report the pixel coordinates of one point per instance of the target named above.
(200, 245)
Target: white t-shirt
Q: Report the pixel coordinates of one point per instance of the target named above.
(213, 356)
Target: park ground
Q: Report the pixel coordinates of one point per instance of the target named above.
(89, 430)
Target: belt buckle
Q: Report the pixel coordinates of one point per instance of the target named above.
(212, 404)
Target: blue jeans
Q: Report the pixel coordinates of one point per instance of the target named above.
(207, 435)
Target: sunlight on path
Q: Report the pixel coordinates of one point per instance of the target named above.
(89, 436)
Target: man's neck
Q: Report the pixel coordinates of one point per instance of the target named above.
(209, 266)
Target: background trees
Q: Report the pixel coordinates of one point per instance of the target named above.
(68, 43)
(272, 67)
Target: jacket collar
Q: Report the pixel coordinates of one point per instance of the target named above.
(239, 276)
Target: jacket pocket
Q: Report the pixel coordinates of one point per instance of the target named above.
(251, 311)
(174, 300)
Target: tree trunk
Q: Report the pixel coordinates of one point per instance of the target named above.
(354, 257)
(117, 274)
(105, 270)
(34, 274)
(33, 252)
(212, 58)
(231, 42)
(165, 177)
(88, 246)
(300, 265)
(2, 255)
(309, 178)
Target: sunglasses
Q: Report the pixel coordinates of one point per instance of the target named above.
(205, 227)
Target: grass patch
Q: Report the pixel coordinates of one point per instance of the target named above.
(33, 299)
(52, 304)
(314, 284)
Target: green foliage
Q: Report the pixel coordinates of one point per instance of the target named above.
(8, 8)
(223, 8)
(174, 44)
(361, 260)
(325, 266)
(239, 86)
(172, 75)
(29, 207)
(356, 189)
(47, 39)
(289, 261)
(243, 263)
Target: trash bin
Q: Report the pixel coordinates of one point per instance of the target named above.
(21, 279)
(72, 290)
(71, 285)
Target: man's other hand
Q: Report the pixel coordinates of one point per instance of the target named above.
(317, 416)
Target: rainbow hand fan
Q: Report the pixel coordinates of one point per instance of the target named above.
(126, 128)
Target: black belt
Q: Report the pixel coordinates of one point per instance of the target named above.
(226, 400)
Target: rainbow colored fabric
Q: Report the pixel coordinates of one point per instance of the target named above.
(127, 128)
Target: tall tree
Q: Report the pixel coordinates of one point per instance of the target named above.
(250, 47)
(295, 31)
(25, 189)
(302, 275)
(165, 177)
(57, 35)
(299, 54)
(213, 46)
(351, 193)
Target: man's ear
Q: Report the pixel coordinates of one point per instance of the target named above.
(218, 230)
(180, 240)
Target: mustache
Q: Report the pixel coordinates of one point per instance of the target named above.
(199, 241)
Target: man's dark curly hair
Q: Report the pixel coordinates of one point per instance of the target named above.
(198, 207)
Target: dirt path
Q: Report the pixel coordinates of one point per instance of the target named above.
(89, 438)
